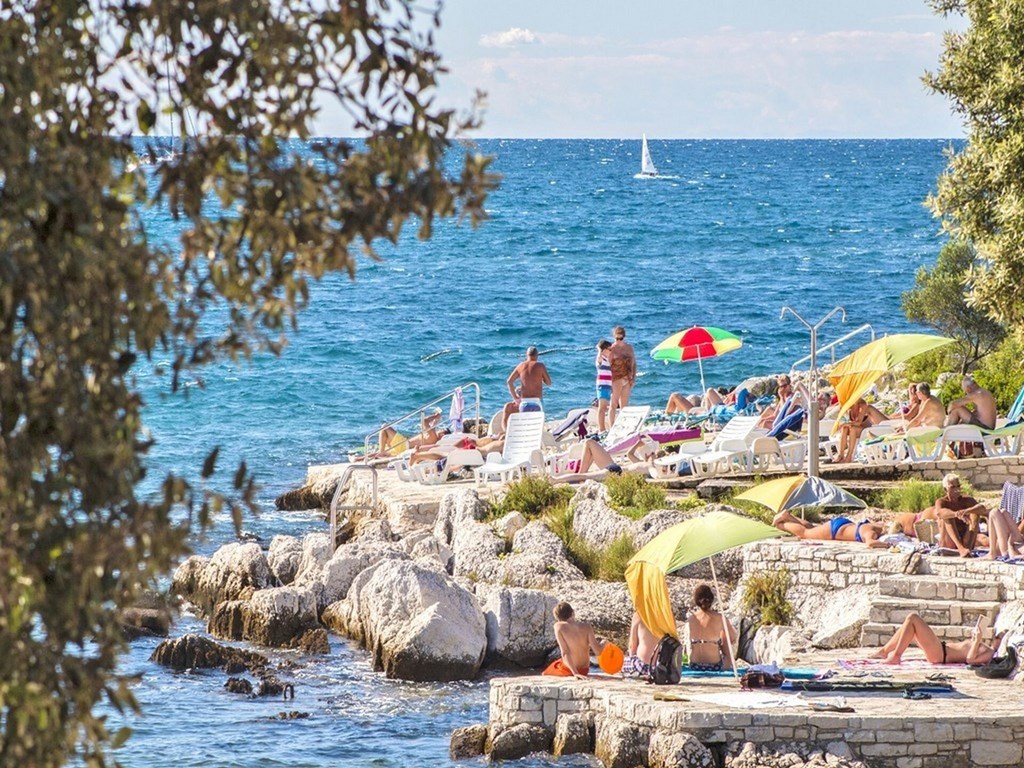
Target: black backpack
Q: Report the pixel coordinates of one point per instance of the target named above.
(667, 662)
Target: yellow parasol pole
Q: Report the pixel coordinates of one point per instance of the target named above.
(725, 621)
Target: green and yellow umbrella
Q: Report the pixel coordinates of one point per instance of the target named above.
(856, 373)
(679, 546)
(696, 343)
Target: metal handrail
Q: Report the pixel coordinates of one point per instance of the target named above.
(342, 483)
(831, 347)
(421, 410)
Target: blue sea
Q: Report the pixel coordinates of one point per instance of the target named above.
(728, 234)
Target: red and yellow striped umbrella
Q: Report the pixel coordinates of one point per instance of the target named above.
(697, 343)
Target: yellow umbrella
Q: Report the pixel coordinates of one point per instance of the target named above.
(678, 546)
(856, 373)
(793, 492)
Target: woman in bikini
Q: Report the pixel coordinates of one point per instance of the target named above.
(837, 529)
(710, 649)
(861, 417)
(915, 631)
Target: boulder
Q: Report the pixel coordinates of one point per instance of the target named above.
(537, 560)
(789, 755)
(476, 551)
(604, 604)
(457, 508)
(283, 558)
(227, 620)
(835, 618)
(278, 617)
(148, 616)
(678, 750)
(574, 734)
(348, 561)
(317, 550)
(653, 523)
(316, 494)
(467, 742)
(509, 525)
(424, 546)
(185, 581)
(373, 529)
(238, 685)
(593, 520)
(234, 572)
(618, 744)
(198, 652)
(773, 645)
(520, 625)
(417, 622)
(518, 741)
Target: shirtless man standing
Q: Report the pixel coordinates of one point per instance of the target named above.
(958, 517)
(532, 375)
(576, 640)
(984, 413)
(623, 361)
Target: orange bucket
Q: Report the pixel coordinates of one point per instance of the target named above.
(610, 659)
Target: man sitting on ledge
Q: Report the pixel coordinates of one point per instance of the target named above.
(576, 639)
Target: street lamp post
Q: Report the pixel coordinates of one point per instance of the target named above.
(812, 394)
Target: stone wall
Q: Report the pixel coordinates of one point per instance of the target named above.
(941, 735)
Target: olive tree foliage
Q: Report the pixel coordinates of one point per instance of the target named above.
(980, 196)
(939, 300)
(86, 298)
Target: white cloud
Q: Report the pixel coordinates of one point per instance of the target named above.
(508, 39)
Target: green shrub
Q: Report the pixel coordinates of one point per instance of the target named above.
(764, 595)
(532, 496)
(631, 495)
(689, 503)
(608, 564)
(615, 558)
(1001, 372)
(915, 495)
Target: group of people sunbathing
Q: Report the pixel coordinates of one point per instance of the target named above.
(958, 518)
(709, 635)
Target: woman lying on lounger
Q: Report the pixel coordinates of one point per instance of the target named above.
(838, 529)
(915, 631)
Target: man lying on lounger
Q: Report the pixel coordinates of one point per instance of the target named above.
(838, 529)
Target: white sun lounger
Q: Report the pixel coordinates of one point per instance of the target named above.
(523, 439)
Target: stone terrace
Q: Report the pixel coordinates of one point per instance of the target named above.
(981, 723)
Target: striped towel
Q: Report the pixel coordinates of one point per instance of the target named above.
(1013, 500)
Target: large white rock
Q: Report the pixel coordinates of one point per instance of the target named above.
(316, 551)
(604, 604)
(656, 522)
(234, 572)
(283, 558)
(776, 645)
(509, 525)
(276, 617)
(417, 622)
(348, 561)
(593, 520)
(520, 624)
(476, 551)
(457, 508)
(537, 560)
(835, 618)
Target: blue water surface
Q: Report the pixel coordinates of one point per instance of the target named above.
(730, 232)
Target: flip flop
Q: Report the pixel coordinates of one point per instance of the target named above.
(913, 695)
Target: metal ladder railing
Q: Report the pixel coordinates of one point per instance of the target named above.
(831, 347)
(342, 484)
(421, 410)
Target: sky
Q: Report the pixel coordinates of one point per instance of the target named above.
(685, 69)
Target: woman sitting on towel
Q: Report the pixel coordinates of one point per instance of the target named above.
(710, 649)
(915, 631)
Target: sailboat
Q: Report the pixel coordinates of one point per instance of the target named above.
(647, 168)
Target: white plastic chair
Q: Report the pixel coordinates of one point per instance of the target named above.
(1003, 440)
(628, 421)
(730, 450)
(522, 449)
(958, 433)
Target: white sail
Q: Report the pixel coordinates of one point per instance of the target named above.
(646, 164)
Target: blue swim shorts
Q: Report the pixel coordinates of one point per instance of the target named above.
(605, 392)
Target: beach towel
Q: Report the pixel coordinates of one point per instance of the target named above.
(457, 412)
(867, 686)
(557, 668)
(879, 664)
(1013, 500)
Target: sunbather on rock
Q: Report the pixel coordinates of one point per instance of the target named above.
(914, 631)
(391, 443)
(838, 529)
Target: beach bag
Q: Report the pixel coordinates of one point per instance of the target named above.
(759, 679)
(1000, 667)
(667, 662)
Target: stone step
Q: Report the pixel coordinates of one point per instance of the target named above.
(940, 588)
(874, 635)
(893, 610)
